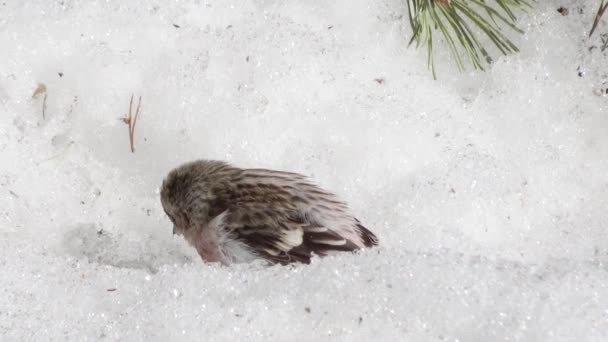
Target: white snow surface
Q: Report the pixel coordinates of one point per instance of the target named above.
(488, 191)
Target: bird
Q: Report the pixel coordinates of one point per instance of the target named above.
(238, 215)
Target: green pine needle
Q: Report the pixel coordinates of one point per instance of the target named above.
(598, 16)
(459, 22)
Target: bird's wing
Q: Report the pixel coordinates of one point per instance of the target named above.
(284, 218)
(318, 206)
(281, 237)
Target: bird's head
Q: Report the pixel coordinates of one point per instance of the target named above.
(186, 194)
(172, 198)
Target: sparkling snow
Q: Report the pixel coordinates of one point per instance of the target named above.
(488, 191)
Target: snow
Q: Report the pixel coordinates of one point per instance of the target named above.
(488, 191)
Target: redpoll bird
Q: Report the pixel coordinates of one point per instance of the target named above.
(237, 215)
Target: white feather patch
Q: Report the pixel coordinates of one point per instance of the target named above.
(330, 242)
(273, 252)
(236, 251)
(293, 237)
(316, 229)
(231, 250)
(290, 239)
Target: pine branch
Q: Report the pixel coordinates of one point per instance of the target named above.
(460, 22)
(598, 16)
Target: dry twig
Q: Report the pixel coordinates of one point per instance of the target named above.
(131, 120)
(41, 90)
(74, 103)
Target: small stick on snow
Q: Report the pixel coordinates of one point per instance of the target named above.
(74, 103)
(44, 107)
(65, 149)
(41, 89)
(132, 120)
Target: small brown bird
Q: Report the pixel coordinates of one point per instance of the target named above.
(237, 215)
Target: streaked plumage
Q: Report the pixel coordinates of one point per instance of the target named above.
(237, 215)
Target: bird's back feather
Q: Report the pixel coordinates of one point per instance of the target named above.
(283, 217)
